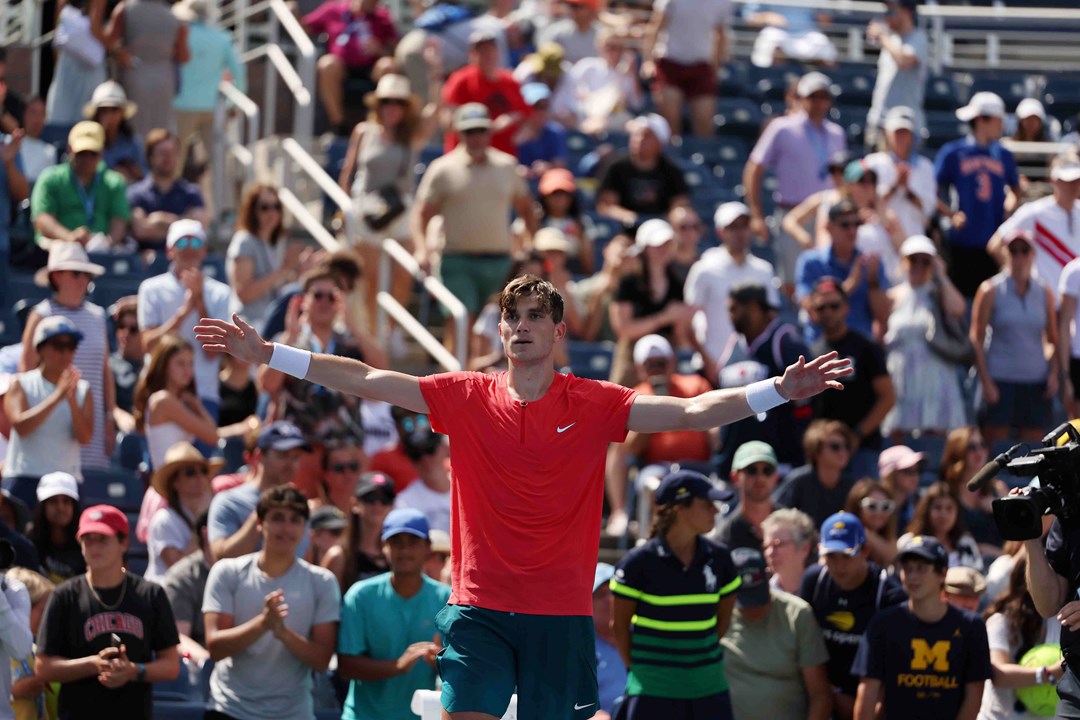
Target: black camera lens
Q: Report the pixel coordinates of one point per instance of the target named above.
(7, 554)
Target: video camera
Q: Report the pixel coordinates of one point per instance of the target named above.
(1057, 465)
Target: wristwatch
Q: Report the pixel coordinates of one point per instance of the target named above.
(141, 676)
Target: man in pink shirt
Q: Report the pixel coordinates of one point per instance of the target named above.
(358, 32)
(528, 449)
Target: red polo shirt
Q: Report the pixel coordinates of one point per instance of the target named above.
(528, 487)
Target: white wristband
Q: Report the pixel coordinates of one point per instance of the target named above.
(290, 360)
(763, 396)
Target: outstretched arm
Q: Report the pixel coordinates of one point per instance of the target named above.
(801, 380)
(342, 374)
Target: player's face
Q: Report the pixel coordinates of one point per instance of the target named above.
(528, 333)
(282, 530)
(406, 553)
(920, 579)
(102, 552)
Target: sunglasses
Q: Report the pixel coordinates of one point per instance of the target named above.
(345, 467)
(837, 446)
(380, 498)
(393, 101)
(474, 131)
(759, 470)
(192, 471)
(194, 243)
(128, 327)
(873, 505)
(827, 306)
(410, 424)
(976, 445)
(320, 296)
(867, 180)
(1024, 249)
(920, 260)
(267, 207)
(63, 345)
(848, 224)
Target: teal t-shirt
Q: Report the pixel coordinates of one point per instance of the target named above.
(379, 623)
(57, 193)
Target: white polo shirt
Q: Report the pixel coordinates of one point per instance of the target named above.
(707, 287)
(1056, 232)
(1069, 285)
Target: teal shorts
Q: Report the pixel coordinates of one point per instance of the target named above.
(474, 279)
(549, 659)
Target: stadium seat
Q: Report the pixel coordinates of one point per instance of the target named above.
(731, 81)
(1011, 88)
(941, 127)
(942, 93)
(109, 288)
(855, 84)
(232, 451)
(121, 264)
(1062, 96)
(738, 117)
(771, 83)
(852, 118)
(591, 360)
(118, 487)
(131, 452)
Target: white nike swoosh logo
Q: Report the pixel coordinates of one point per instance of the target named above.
(561, 430)
(582, 707)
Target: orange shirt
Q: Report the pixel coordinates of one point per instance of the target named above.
(396, 465)
(678, 445)
(528, 487)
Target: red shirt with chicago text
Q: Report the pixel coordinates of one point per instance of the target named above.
(528, 487)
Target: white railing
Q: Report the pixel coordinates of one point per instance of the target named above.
(389, 307)
(232, 146)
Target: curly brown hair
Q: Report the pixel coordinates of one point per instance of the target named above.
(548, 298)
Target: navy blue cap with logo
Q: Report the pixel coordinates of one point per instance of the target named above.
(682, 485)
(925, 548)
(282, 435)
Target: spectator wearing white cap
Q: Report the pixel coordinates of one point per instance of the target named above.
(643, 180)
(788, 32)
(69, 273)
(721, 268)
(902, 64)
(473, 187)
(655, 366)
(483, 81)
(53, 527)
(1053, 221)
(161, 198)
(1032, 124)
(983, 177)
(928, 396)
(651, 300)
(905, 179)
(685, 45)
(51, 410)
(1019, 311)
(557, 250)
(172, 302)
(799, 149)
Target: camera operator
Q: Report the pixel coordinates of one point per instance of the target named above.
(16, 642)
(1053, 577)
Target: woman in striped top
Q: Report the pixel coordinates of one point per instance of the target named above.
(69, 272)
(673, 601)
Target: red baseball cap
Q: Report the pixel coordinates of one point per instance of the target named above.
(103, 520)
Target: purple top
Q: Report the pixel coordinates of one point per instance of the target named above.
(798, 152)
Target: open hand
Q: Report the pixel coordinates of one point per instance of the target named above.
(10, 149)
(803, 379)
(236, 338)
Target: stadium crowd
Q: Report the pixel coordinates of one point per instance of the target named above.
(196, 535)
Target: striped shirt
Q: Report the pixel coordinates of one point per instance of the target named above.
(90, 360)
(675, 651)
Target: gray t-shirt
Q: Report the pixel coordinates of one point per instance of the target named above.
(184, 584)
(266, 259)
(266, 680)
(159, 298)
(576, 45)
(229, 510)
(896, 87)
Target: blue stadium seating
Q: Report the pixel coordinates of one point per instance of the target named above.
(771, 83)
(942, 93)
(119, 487)
(591, 360)
(738, 116)
(1011, 88)
(1062, 96)
(855, 84)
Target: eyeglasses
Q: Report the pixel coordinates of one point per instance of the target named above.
(192, 471)
(885, 506)
(321, 295)
(195, 243)
(837, 446)
(267, 207)
(379, 498)
(63, 345)
(867, 180)
(345, 467)
(759, 470)
(827, 306)
(1020, 249)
